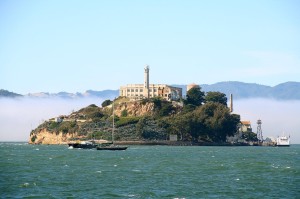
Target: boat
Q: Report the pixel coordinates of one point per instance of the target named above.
(83, 145)
(111, 146)
(283, 141)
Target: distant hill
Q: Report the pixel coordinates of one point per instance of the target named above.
(105, 94)
(284, 91)
(6, 93)
(240, 90)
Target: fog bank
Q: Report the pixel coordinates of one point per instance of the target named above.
(277, 116)
(19, 116)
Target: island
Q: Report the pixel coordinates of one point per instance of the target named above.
(199, 119)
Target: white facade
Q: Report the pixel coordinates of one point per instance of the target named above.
(146, 90)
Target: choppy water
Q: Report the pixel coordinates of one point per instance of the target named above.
(41, 171)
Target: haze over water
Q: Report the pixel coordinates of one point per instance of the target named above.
(47, 171)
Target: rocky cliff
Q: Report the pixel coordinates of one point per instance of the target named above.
(134, 108)
(44, 136)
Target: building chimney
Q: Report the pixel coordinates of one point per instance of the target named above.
(231, 103)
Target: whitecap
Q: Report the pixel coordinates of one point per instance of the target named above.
(115, 165)
(136, 170)
(237, 179)
(37, 149)
(26, 184)
(288, 167)
(98, 171)
(276, 167)
(50, 158)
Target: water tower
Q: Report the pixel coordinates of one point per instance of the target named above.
(259, 131)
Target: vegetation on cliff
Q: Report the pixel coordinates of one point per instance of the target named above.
(199, 118)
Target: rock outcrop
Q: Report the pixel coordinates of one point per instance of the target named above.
(46, 137)
(134, 108)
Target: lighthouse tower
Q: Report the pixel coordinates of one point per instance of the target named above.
(146, 81)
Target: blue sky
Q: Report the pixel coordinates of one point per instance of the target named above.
(79, 45)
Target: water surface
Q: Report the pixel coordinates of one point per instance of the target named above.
(53, 171)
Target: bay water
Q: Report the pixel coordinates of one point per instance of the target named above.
(54, 171)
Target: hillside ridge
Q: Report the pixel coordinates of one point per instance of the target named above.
(240, 90)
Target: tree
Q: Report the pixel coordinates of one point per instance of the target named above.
(218, 121)
(106, 103)
(216, 97)
(195, 96)
(166, 109)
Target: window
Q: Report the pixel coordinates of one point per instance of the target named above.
(128, 90)
(141, 90)
(150, 90)
(136, 90)
(155, 90)
(132, 90)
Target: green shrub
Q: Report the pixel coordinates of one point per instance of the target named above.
(123, 121)
(124, 113)
(68, 127)
(106, 103)
(53, 125)
(101, 135)
(33, 138)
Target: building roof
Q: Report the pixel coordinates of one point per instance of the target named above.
(246, 122)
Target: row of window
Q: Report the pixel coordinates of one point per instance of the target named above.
(141, 90)
(128, 95)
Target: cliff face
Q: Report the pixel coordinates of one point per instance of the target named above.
(46, 137)
(134, 108)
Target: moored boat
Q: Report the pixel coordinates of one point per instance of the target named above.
(83, 145)
(283, 141)
(110, 146)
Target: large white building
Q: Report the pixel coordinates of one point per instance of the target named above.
(147, 90)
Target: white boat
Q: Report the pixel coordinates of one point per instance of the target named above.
(83, 145)
(283, 140)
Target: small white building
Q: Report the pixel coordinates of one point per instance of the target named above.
(173, 137)
(58, 119)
